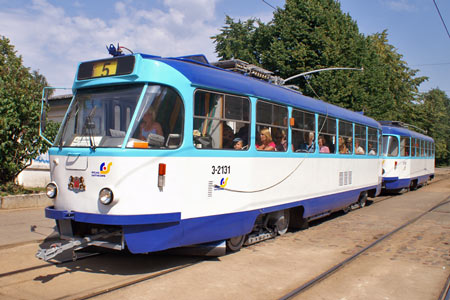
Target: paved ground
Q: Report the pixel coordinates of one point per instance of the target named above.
(16, 225)
(412, 264)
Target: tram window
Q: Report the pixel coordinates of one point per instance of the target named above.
(421, 148)
(303, 131)
(271, 127)
(360, 139)
(327, 129)
(160, 119)
(413, 147)
(380, 142)
(390, 145)
(345, 137)
(417, 147)
(221, 121)
(94, 118)
(404, 146)
(372, 148)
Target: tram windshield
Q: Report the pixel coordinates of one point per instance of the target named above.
(390, 145)
(99, 117)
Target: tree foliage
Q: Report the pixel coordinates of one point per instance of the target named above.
(20, 92)
(308, 35)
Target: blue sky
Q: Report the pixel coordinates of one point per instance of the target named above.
(53, 36)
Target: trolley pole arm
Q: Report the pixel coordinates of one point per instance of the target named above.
(320, 70)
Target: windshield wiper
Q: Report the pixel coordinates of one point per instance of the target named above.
(89, 125)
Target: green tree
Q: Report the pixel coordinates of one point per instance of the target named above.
(313, 34)
(432, 113)
(20, 93)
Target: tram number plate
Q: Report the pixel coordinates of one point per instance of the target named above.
(105, 68)
(220, 170)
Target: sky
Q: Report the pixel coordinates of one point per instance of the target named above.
(53, 36)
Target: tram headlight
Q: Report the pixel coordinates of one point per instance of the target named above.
(106, 196)
(51, 190)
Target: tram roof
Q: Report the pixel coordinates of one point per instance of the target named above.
(392, 129)
(208, 76)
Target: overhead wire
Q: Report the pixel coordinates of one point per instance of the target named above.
(442, 19)
(269, 4)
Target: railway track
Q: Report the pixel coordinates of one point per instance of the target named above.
(350, 259)
(105, 289)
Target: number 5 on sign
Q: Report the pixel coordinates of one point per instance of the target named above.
(106, 68)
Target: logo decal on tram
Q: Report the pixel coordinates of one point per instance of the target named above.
(223, 183)
(76, 184)
(104, 169)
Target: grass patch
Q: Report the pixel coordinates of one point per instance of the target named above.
(11, 188)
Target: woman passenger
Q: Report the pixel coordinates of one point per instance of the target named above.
(149, 125)
(266, 141)
(322, 147)
(342, 147)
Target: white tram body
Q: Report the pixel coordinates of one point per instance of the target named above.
(408, 157)
(185, 183)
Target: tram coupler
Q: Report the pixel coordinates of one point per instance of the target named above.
(74, 244)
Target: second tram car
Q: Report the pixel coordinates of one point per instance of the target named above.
(408, 157)
(157, 153)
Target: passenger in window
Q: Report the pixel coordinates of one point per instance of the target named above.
(227, 137)
(149, 125)
(358, 148)
(322, 147)
(243, 134)
(266, 141)
(281, 141)
(238, 144)
(342, 146)
(371, 150)
(308, 145)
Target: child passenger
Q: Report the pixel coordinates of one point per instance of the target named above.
(238, 144)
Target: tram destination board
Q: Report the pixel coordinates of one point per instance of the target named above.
(107, 67)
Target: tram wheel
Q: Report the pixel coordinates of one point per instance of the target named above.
(235, 244)
(282, 223)
(362, 199)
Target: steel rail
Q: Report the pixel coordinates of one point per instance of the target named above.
(338, 266)
(136, 281)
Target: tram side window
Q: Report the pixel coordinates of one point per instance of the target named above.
(345, 137)
(404, 146)
(372, 148)
(303, 131)
(413, 147)
(221, 121)
(160, 119)
(380, 142)
(327, 129)
(271, 127)
(390, 145)
(421, 148)
(360, 139)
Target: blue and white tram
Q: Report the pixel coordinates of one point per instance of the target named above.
(408, 157)
(156, 153)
